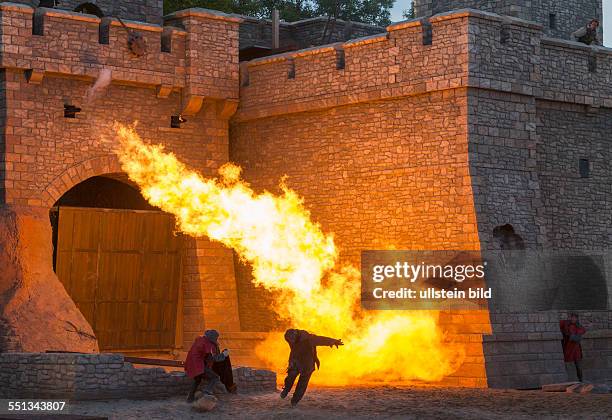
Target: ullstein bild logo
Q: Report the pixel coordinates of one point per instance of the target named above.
(423, 280)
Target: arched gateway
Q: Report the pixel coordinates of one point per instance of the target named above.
(120, 261)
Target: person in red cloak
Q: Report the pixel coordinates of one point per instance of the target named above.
(572, 335)
(205, 361)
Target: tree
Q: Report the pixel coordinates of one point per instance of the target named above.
(409, 13)
(366, 11)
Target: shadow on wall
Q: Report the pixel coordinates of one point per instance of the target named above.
(582, 283)
(536, 280)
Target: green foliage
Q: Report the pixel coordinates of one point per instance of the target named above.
(409, 13)
(367, 11)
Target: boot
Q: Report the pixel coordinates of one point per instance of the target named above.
(191, 396)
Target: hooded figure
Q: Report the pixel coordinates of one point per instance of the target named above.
(203, 354)
(302, 360)
(572, 335)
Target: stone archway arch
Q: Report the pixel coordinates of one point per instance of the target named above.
(100, 165)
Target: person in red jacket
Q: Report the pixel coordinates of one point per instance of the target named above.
(204, 352)
(302, 360)
(572, 335)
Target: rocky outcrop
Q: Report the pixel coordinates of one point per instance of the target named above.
(36, 312)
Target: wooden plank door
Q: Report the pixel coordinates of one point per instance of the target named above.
(123, 269)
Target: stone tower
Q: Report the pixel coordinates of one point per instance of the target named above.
(559, 18)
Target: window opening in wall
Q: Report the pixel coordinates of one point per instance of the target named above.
(47, 3)
(71, 111)
(584, 168)
(552, 21)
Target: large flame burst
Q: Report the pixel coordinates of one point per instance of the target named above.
(291, 256)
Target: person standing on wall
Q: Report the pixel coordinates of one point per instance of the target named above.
(572, 335)
(587, 34)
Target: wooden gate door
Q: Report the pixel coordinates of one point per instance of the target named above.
(123, 270)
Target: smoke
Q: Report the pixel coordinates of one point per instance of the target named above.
(102, 82)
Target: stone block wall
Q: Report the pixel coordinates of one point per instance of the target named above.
(575, 73)
(150, 11)
(211, 58)
(302, 33)
(558, 18)
(569, 132)
(382, 148)
(309, 32)
(529, 106)
(372, 68)
(44, 154)
(103, 376)
(525, 349)
(536, 107)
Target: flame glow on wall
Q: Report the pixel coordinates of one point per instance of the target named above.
(292, 256)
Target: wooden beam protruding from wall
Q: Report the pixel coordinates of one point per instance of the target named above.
(34, 77)
(192, 104)
(226, 108)
(163, 91)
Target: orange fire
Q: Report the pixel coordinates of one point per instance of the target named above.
(292, 256)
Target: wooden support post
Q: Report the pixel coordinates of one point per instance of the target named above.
(275, 29)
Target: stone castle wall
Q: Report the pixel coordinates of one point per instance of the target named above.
(559, 19)
(44, 154)
(382, 148)
(150, 11)
(424, 137)
(103, 376)
(302, 34)
(485, 89)
(537, 106)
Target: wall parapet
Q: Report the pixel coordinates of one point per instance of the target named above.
(576, 73)
(77, 45)
(410, 58)
(459, 49)
(81, 376)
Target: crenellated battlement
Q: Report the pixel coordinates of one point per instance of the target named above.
(411, 57)
(57, 42)
(463, 48)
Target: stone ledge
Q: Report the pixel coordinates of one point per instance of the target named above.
(574, 45)
(203, 13)
(467, 12)
(17, 7)
(103, 376)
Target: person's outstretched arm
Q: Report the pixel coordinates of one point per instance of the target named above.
(318, 340)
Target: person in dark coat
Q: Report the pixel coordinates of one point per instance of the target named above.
(572, 335)
(205, 361)
(302, 360)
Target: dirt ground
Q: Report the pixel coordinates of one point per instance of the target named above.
(368, 403)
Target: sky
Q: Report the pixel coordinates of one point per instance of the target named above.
(400, 5)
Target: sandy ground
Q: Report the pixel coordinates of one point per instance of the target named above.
(368, 403)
